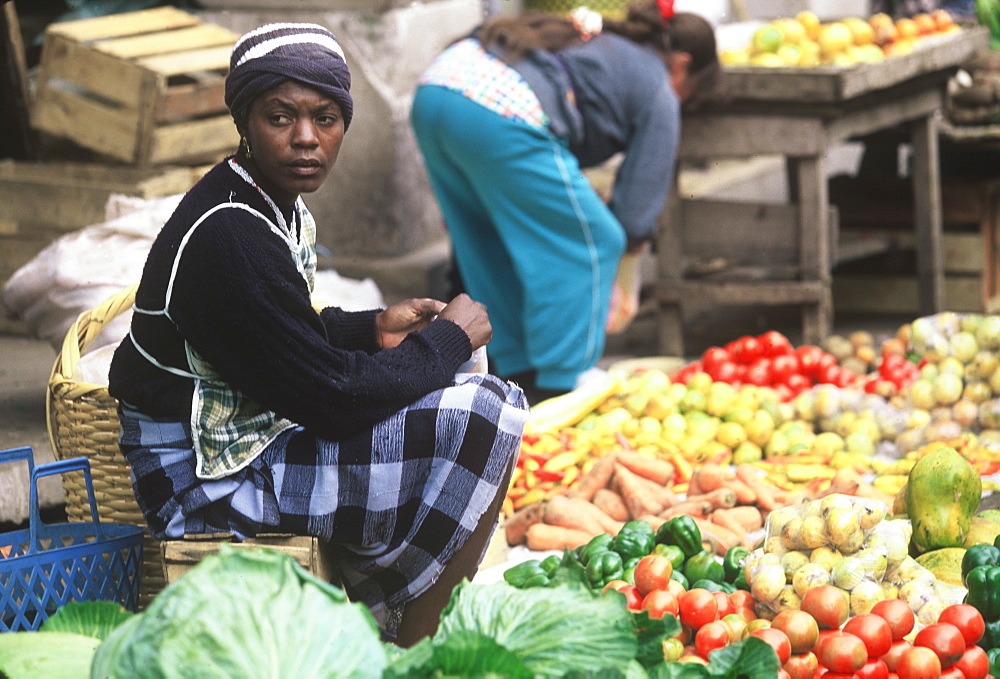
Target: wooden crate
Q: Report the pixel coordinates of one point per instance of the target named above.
(40, 202)
(181, 555)
(141, 87)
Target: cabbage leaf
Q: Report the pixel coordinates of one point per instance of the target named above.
(250, 613)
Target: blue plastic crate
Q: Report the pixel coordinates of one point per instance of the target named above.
(48, 565)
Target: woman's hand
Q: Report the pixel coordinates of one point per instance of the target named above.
(392, 325)
(471, 317)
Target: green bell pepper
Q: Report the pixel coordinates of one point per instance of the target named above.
(683, 532)
(710, 585)
(704, 566)
(994, 655)
(551, 563)
(526, 574)
(672, 552)
(979, 555)
(983, 583)
(740, 581)
(991, 635)
(597, 545)
(604, 568)
(635, 539)
(732, 562)
(679, 577)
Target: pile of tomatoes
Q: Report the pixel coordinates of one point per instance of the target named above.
(819, 639)
(770, 360)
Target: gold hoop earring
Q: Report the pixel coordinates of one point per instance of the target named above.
(245, 143)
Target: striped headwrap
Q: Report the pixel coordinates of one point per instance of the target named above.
(269, 55)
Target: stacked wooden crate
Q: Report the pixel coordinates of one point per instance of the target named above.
(139, 96)
(143, 88)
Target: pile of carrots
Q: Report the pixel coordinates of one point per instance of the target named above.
(729, 504)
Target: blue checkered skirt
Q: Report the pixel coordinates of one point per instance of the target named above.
(395, 503)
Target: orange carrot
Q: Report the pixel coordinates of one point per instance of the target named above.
(658, 471)
(693, 508)
(744, 493)
(542, 537)
(516, 526)
(749, 475)
(611, 504)
(563, 511)
(720, 498)
(666, 495)
(599, 476)
(636, 495)
(747, 517)
(709, 477)
(574, 512)
(719, 537)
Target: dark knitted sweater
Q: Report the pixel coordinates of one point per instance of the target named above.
(242, 305)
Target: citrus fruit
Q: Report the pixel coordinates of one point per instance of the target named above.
(834, 38)
(925, 23)
(810, 22)
(907, 28)
(792, 31)
(861, 30)
(767, 39)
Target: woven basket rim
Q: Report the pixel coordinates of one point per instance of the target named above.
(87, 326)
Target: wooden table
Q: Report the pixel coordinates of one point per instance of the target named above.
(801, 114)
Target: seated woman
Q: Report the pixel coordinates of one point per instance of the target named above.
(245, 410)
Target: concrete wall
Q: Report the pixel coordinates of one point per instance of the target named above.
(376, 214)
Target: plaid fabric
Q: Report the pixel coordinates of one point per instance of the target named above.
(467, 69)
(397, 502)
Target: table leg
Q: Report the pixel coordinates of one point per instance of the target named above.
(926, 178)
(812, 196)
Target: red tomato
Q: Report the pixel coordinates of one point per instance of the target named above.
(801, 665)
(759, 372)
(809, 356)
(872, 669)
(919, 662)
(829, 373)
(742, 599)
(945, 640)
(974, 663)
(896, 650)
(711, 636)
(673, 649)
(872, 629)
(725, 372)
(967, 619)
(747, 349)
(725, 604)
(782, 674)
(783, 367)
(841, 652)
(801, 629)
(676, 589)
(798, 382)
(698, 607)
(898, 614)
(713, 357)
(952, 673)
(633, 600)
(828, 605)
(659, 602)
(616, 585)
(777, 640)
(773, 343)
(652, 571)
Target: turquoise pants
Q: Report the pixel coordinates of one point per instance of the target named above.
(532, 239)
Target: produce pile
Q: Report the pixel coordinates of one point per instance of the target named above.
(804, 41)
(855, 469)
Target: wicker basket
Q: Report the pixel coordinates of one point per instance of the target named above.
(83, 422)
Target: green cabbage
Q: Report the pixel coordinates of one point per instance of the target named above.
(248, 613)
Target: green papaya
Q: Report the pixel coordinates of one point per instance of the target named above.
(943, 493)
(982, 531)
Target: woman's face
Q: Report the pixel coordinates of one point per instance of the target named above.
(295, 133)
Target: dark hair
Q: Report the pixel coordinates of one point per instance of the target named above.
(514, 36)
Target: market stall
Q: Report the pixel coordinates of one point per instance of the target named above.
(801, 114)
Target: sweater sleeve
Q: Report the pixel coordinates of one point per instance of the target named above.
(647, 170)
(240, 302)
